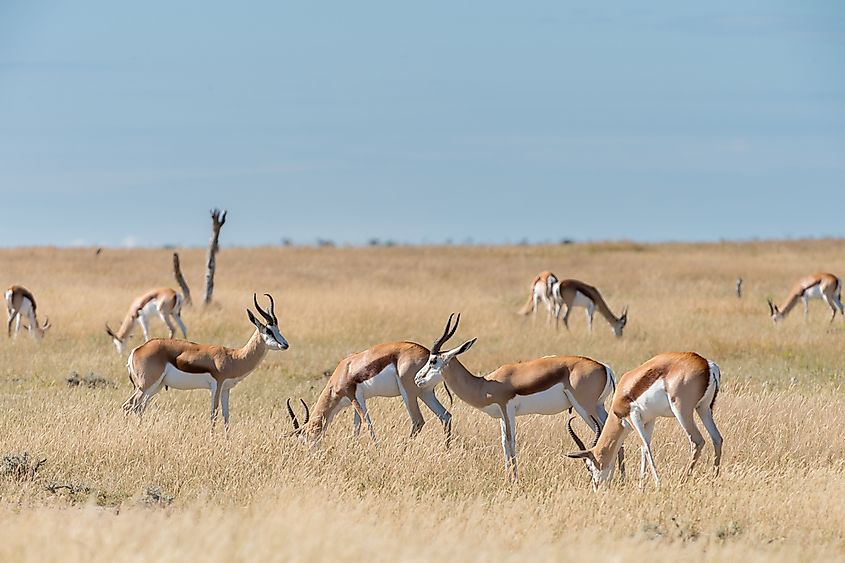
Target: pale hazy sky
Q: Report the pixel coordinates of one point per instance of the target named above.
(122, 123)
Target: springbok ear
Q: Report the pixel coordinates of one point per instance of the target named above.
(463, 347)
(583, 454)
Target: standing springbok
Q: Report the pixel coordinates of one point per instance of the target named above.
(385, 370)
(668, 385)
(574, 293)
(541, 291)
(826, 287)
(21, 303)
(163, 302)
(548, 385)
(180, 364)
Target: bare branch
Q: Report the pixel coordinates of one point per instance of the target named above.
(180, 279)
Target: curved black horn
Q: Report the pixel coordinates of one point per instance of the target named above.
(263, 313)
(293, 416)
(111, 332)
(272, 309)
(574, 436)
(448, 332)
(307, 414)
(598, 431)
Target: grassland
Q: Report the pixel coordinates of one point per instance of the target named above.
(259, 496)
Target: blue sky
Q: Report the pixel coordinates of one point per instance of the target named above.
(123, 123)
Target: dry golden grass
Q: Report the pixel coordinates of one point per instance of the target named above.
(258, 496)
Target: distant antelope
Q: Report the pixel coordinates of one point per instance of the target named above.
(385, 370)
(21, 303)
(163, 302)
(547, 385)
(541, 291)
(826, 287)
(179, 364)
(668, 385)
(574, 293)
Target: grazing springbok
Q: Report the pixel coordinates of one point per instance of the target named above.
(385, 370)
(668, 385)
(21, 303)
(180, 364)
(162, 302)
(574, 293)
(541, 291)
(548, 385)
(826, 287)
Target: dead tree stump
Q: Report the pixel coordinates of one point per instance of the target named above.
(218, 218)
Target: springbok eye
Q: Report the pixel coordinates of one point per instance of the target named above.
(433, 361)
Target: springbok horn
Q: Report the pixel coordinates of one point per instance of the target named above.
(272, 308)
(263, 313)
(575, 437)
(293, 416)
(447, 333)
(307, 414)
(46, 324)
(598, 431)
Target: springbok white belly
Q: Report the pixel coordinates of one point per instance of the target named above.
(581, 300)
(150, 309)
(654, 402)
(551, 401)
(178, 379)
(383, 384)
(814, 292)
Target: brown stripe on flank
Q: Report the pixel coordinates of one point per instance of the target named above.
(643, 383)
(373, 368)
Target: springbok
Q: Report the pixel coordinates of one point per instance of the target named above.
(385, 370)
(548, 385)
(668, 385)
(21, 303)
(541, 291)
(574, 293)
(180, 364)
(826, 287)
(164, 302)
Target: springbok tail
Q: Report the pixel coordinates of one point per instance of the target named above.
(610, 384)
(130, 367)
(529, 305)
(716, 377)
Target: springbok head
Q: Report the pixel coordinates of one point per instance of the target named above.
(269, 330)
(598, 474)
(774, 312)
(438, 359)
(118, 342)
(619, 325)
(298, 430)
(41, 330)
